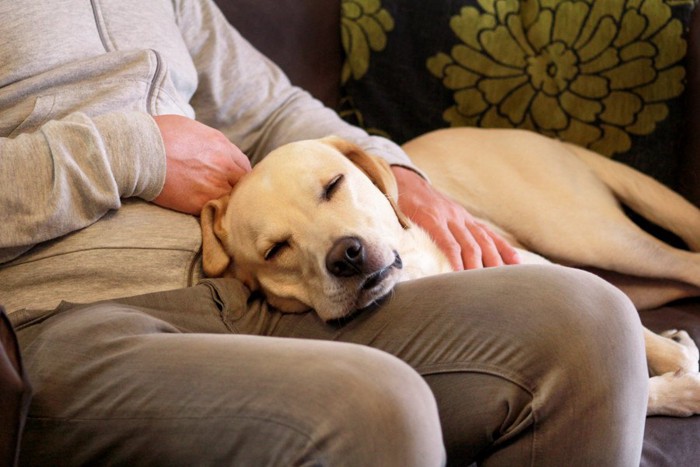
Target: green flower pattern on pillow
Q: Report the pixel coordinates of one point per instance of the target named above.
(589, 72)
(364, 26)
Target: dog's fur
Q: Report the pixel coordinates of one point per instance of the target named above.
(316, 226)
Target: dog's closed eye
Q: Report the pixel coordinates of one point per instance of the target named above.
(275, 250)
(332, 187)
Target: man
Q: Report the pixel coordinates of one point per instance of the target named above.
(118, 110)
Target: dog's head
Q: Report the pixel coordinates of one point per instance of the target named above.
(315, 225)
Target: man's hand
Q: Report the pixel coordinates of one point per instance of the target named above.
(467, 242)
(201, 164)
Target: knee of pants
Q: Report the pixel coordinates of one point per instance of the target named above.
(527, 320)
(589, 319)
(371, 408)
(550, 341)
(333, 404)
(583, 338)
(581, 324)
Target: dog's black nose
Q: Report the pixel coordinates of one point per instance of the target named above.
(346, 257)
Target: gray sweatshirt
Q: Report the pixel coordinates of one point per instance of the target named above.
(81, 156)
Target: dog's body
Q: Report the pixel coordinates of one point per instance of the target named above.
(561, 201)
(316, 226)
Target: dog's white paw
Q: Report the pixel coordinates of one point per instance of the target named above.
(690, 352)
(676, 394)
(670, 351)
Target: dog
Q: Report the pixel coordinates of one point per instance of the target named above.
(316, 225)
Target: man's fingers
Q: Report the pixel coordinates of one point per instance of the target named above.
(506, 252)
(490, 256)
(239, 166)
(467, 242)
(235, 175)
(470, 251)
(450, 246)
(201, 163)
(241, 161)
(471, 246)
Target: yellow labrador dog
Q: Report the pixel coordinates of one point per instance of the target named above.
(316, 225)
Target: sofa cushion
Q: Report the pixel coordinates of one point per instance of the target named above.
(15, 393)
(605, 75)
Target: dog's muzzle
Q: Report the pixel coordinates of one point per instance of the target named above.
(366, 275)
(377, 277)
(348, 257)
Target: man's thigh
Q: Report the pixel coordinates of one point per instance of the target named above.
(483, 340)
(508, 353)
(115, 384)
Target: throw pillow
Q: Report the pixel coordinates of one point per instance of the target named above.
(608, 75)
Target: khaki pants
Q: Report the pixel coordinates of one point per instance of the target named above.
(522, 365)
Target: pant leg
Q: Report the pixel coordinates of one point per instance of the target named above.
(116, 385)
(530, 365)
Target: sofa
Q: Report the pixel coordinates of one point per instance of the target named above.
(391, 65)
(402, 67)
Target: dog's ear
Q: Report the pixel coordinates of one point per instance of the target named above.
(376, 168)
(215, 260)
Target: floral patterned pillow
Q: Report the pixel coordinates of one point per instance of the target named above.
(607, 75)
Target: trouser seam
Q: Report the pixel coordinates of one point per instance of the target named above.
(226, 314)
(471, 367)
(492, 370)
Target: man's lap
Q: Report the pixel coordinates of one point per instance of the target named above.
(498, 327)
(114, 379)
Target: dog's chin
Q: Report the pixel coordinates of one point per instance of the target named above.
(377, 286)
(372, 289)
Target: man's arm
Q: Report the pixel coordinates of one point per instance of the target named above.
(250, 99)
(70, 172)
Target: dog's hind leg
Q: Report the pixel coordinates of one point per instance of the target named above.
(646, 196)
(638, 253)
(670, 352)
(647, 293)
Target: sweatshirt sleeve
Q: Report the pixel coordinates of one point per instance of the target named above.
(70, 172)
(248, 98)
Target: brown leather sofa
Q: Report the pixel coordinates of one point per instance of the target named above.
(304, 38)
